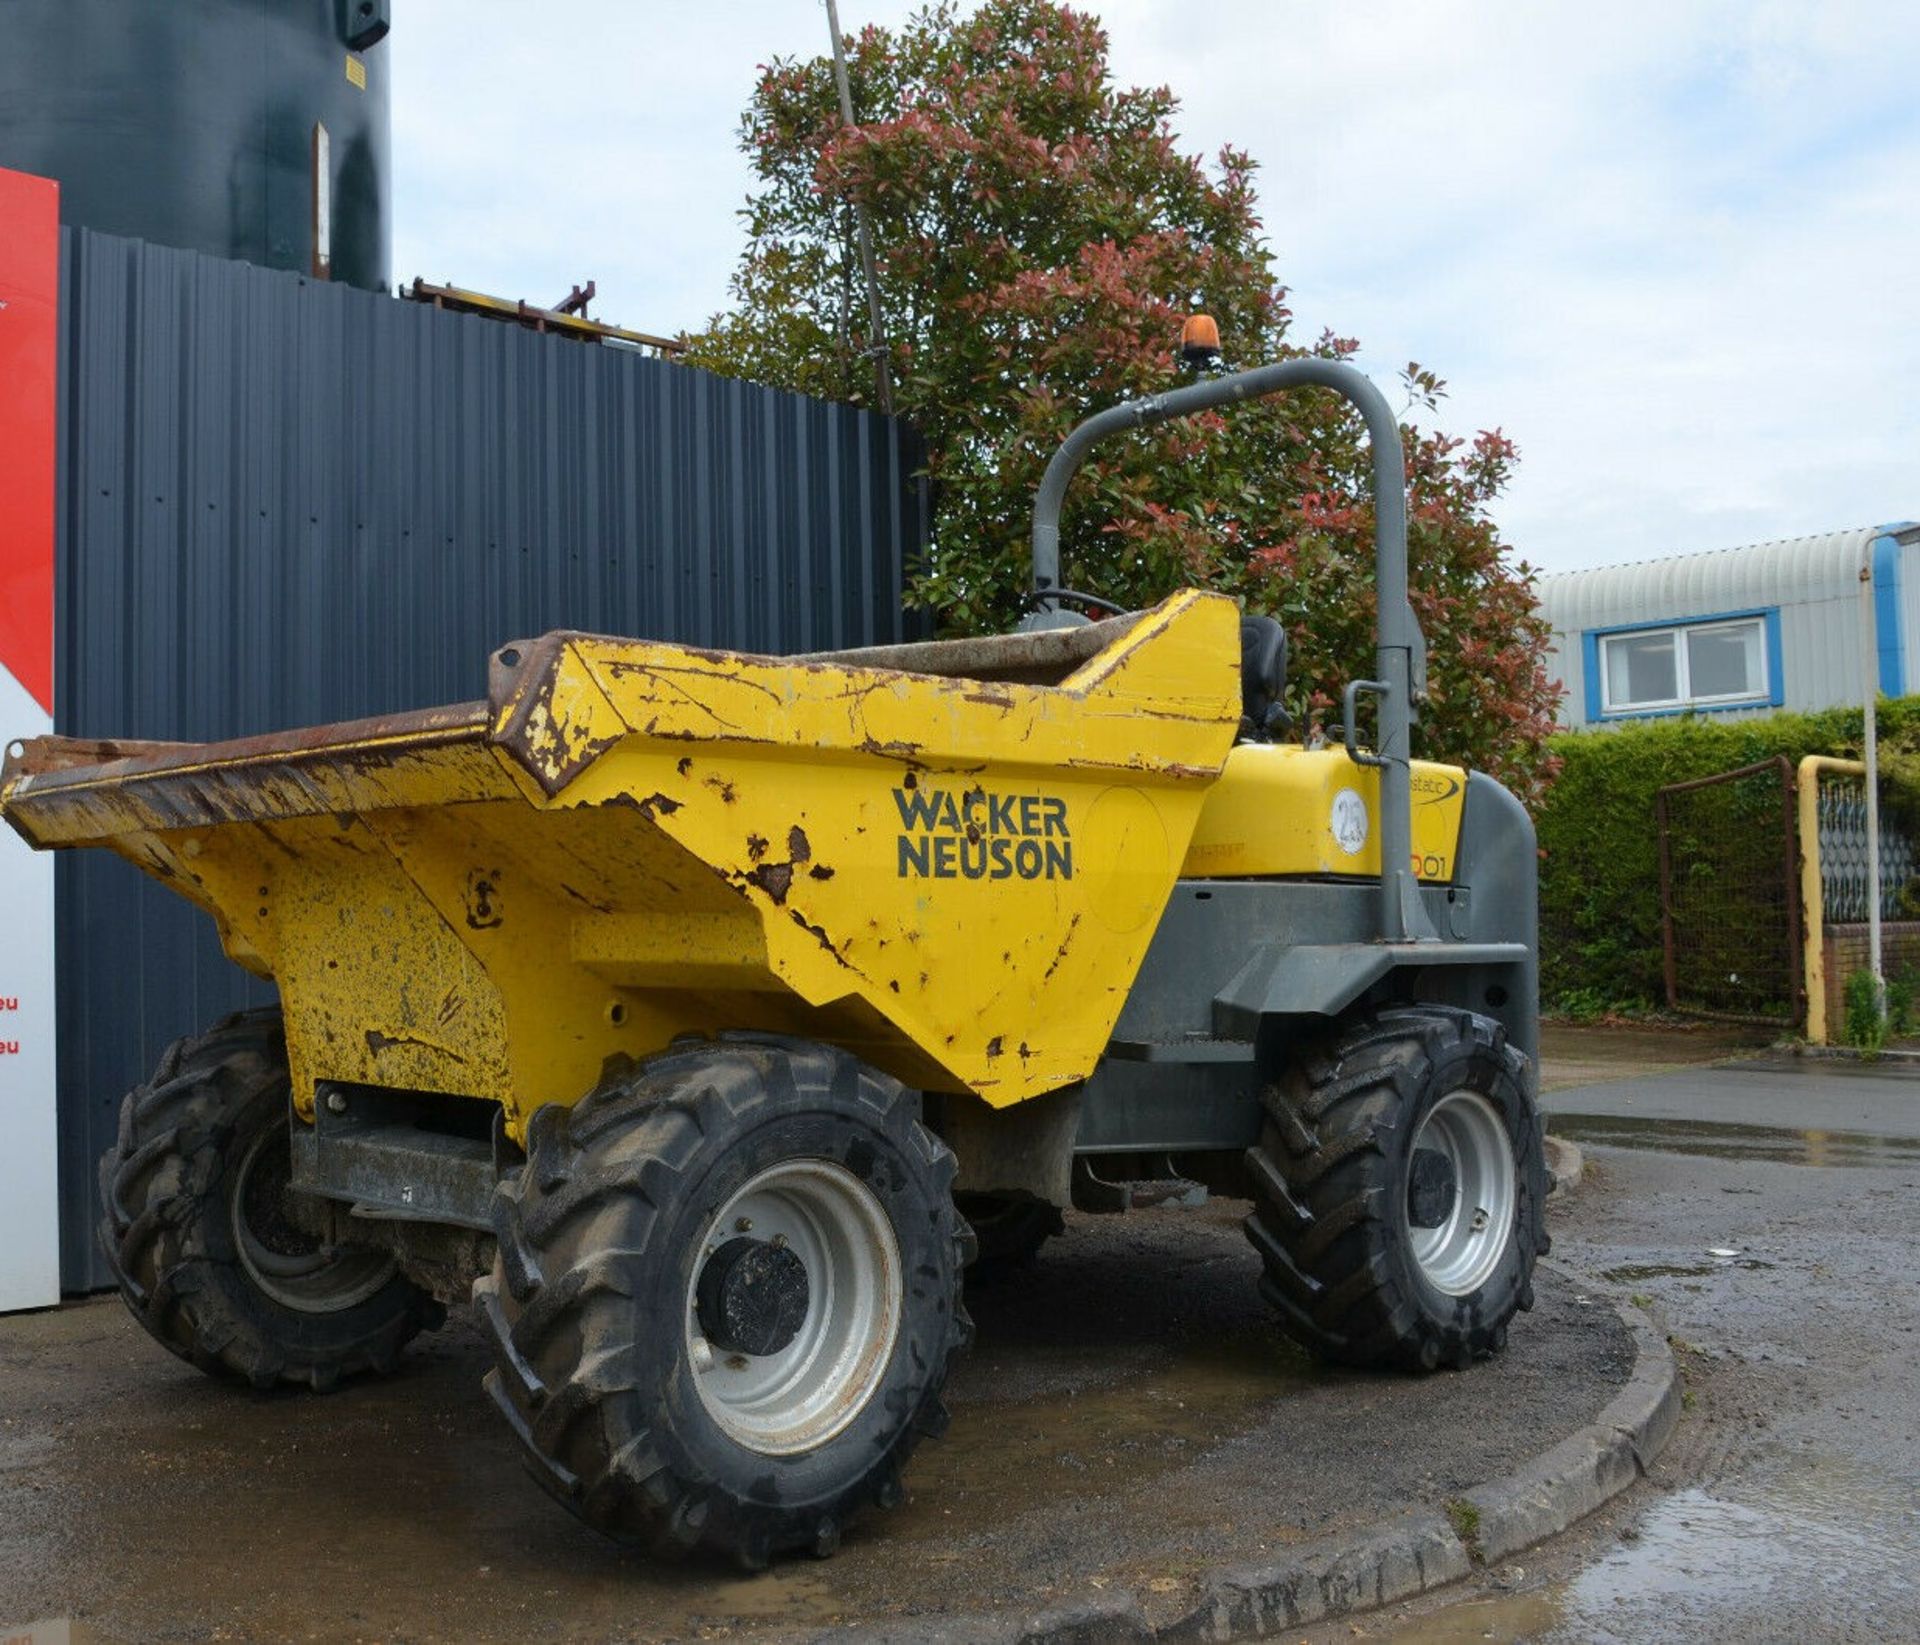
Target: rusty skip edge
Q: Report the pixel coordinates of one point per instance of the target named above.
(190, 784)
(198, 784)
(523, 677)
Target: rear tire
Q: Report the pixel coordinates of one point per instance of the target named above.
(197, 1232)
(677, 1375)
(1399, 1185)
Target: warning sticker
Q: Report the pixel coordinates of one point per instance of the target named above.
(1349, 822)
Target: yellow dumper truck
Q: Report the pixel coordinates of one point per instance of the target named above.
(702, 1015)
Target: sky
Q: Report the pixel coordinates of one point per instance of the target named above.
(1671, 249)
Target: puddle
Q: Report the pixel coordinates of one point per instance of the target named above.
(1829, 1546)
(1509, 1620)
(1627, 1273)
(792, 1593)
(1718, 1140)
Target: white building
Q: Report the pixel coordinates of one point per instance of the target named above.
(1736, 630)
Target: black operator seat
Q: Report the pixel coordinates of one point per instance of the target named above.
(1263, 680)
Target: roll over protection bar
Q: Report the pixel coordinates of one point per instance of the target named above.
(1400, 647)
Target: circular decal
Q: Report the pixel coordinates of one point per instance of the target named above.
(1349, 821)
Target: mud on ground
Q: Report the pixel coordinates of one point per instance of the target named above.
(1128, 1415)
(1585, 1053)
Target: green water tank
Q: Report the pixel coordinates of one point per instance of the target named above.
(251, 129)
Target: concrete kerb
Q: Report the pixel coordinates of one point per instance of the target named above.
(1566, 1164)
(1897, 1055)
(1378, 1564)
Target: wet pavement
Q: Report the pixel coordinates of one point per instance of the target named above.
(1768, 1213)
(1128, 1417)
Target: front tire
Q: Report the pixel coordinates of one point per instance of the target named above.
(726, 1297)
(198, 1235)
(1399, 1185)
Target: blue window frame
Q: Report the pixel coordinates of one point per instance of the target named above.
(1688, 665)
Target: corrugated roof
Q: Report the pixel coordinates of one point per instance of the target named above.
(1723, 579)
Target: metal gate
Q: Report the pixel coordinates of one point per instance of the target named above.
(1729, 894)
(1840, 811)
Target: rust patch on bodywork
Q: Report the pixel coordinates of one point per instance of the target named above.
(650, 806)
(40, 755)
(774, 878)
(1060, 953)
(905, 752)
(483, 899)
(819, 934)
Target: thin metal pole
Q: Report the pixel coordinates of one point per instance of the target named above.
(1669, 959)
(1870, 697)
(1790, 884)
(882, 378)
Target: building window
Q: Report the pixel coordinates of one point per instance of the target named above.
(1685, 666)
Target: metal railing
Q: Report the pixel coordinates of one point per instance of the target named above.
(1400, 658)
(1834, 867)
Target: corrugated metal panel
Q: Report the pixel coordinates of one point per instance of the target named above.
(1813, 580)
(285, 503)
(1906, 599)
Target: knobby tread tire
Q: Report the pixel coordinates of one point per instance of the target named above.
(167, 1227)
(585, 1304)
(1329, 1176)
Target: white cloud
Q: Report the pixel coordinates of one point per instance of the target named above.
(1670, 248)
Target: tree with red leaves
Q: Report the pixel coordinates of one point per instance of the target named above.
(1040, 238)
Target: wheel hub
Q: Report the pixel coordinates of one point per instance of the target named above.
(1432, 1187)
(288, 1264)
(752, 1297)
(789, 1333)
(1462, 1193)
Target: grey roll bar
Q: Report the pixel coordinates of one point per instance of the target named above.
(1400, 647)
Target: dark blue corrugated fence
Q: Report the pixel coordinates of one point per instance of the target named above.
(286, 503)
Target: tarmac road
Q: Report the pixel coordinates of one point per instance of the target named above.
(1787, 1506)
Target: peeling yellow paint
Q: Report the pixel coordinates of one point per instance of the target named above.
(955, 877)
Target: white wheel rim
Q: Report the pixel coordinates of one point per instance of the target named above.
(801, 1395)
(1460, 1255)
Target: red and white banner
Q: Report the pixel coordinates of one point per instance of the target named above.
(29, 306)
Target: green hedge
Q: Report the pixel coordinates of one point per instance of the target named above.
(1599, 851)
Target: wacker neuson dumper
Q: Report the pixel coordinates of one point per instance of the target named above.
(702, 1015)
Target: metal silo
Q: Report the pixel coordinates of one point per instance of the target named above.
(250, 129)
